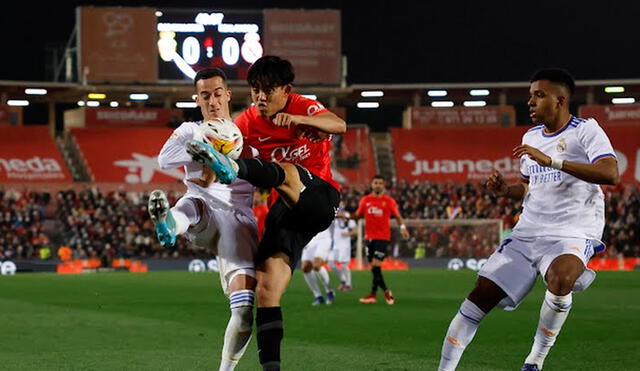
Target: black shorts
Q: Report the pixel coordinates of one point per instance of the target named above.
(377, 249)
(289, 230)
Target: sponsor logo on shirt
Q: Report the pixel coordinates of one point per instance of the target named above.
(373, 210)
(289, 154)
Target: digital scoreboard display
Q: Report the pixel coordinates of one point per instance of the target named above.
(190, 40)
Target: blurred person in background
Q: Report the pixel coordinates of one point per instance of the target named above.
(344, 228)
(377, 208)
(314, 257)
(260, 210)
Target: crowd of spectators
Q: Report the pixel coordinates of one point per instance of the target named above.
(442, 201)
(116, 224)
(21, 224)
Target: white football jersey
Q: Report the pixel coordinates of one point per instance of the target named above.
(558, 204)
(340, 228)
(217, 195)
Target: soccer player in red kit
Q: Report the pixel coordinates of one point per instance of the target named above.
(377, 208)
(292, 136)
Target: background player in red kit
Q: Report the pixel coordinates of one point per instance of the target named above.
(292, 136)
(376, 208)
(260, 210)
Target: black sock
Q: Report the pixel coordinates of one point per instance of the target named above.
(374, 282)
(269, 334)
(259, 173)
(377, 278)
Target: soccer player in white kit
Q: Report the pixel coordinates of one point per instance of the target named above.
(210, 213)
(314, 256)
(563, 160)
(343, 229)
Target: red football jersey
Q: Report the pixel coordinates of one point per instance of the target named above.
(280, 144)
(377, 211)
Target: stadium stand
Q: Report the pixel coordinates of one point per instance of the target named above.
(114, 224)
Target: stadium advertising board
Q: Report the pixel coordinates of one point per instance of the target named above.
(190, 40)
(471, 154)
(310, 39)
(613, 114)
(29, 154)
(421, 117)
(125, 155)
(353, 156)
(129, 117)
(117, 44)
(10, 116)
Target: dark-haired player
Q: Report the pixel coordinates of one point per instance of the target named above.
(292, 136)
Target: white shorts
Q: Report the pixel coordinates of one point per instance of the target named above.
(233, 234)
(318, 247)
(515, 265)
(341, 252)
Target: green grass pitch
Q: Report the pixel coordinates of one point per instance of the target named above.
(176, 321)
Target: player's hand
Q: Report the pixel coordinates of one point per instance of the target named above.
(284, 119)
(496, 184)
(205, 180)
(533, 153)
(311, 134)
(404, 232)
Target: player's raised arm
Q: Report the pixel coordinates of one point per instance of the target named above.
(173, 154)
(603, 171)
(326, 122)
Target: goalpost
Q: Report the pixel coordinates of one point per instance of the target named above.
(442, 238)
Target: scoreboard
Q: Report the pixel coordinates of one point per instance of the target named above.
(190, 40)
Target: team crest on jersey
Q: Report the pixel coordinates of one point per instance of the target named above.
(561, 146)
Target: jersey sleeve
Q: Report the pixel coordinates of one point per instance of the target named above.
(310, 106)
(393, 207)
(361, 207)
(351, 224)
(173, 154)
(595, 141)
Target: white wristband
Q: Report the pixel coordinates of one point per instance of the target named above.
(556, 163)
(402, 226)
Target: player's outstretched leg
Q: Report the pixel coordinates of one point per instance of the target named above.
(162, 218)
(238, 332)
(225, 168)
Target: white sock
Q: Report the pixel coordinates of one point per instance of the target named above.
(339, 272)
(185, 213)
(553, 313)
(238, 333)
(324, 278)
(346, 272)
(460, 333)
(312, 282)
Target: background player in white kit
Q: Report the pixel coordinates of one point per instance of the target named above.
(343, 229)
(314, 256)
(210, 213)
(563, 160)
